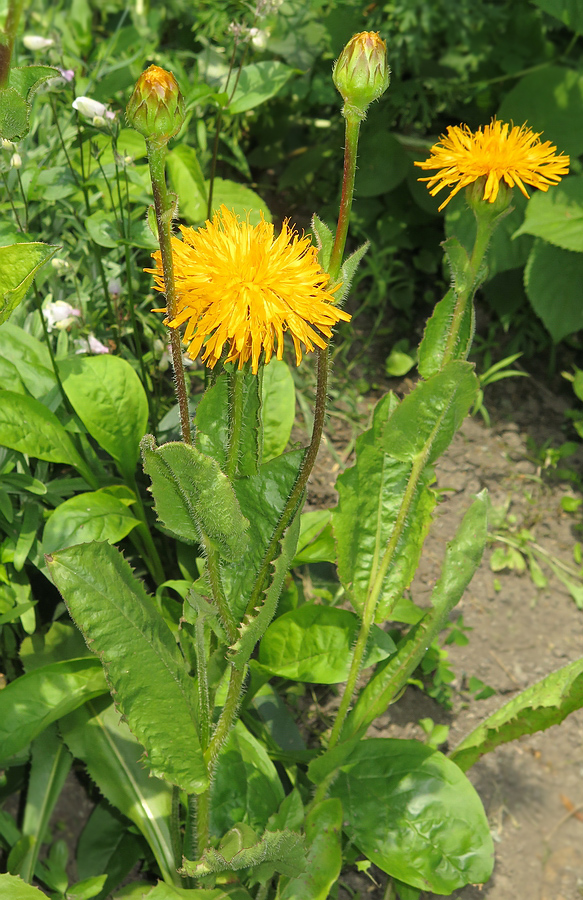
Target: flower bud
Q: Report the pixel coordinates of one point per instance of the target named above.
(36, 42)
(156, 107)
(361, 73)
(89, 107)
(16, 161)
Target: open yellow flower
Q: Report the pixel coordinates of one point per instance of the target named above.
(496, 153)
(238, 285)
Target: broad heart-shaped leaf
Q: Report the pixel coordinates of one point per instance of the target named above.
(413, 813)
(261, 499)
(19, 263)
(95, 734)
(257, 83)
(246, 786)
(557, 216)
(193, 498)
(94, 516)
(462, 558)
(30, 356)
(545, 703)
(552, 279)
(14, 888)
(314, 643)
(370, 496)
(30, 703)
(324, 837)
(30, 427)
(108, 397)
(278, 408)
(140, 656)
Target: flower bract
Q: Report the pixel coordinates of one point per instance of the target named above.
(239, 286)
(495, 153)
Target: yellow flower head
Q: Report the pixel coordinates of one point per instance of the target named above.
(496, 153)
(237, 284)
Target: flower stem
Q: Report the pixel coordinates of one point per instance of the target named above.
(7, 35)
(350, 152)
(156, 160)
(214, 573)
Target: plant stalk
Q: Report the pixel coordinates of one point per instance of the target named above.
(350, 152)
(236, 384)
(7, 36)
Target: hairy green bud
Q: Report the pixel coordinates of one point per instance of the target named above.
(156, 107)
(361, 72)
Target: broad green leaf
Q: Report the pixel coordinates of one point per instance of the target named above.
(324, 861)
(282, 727)
(94, 516)
(257, 83)
(30, 357)
(314, 643)
(108, 397)
(63, 641)
(261, 498)
(106, 844)
(246, 786)
(242, 200)
(14, 888)
(139, 653)
(31, 702)
(188, 182)
(545, 703)
(26, 79)
(557, 216)
(462, 558)
(14, 112)
(19, 263)
(10, 378)
(30, 427)
(552, 279)
(279, 408)
(114, 760)
(194, 498)
(212, 421)
(316, 541)
(413, 813)
(569, 12)
(370, 496)
(164, 891)
(551, 101)
(382, 163)
(49, 767)
(104, 231)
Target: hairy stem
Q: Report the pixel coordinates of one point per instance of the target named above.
(350, 153)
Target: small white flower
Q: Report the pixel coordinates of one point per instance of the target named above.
(16, 161)
(36, 42)
(90, 345)
(114, 287)
(60, 315)
(259, 37)
(92, 109)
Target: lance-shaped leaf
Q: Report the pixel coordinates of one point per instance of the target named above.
(462, 558)
(413, 813)
(432, 347)
(545, 703)
(193, 498)
(142, 661)
(19, 263)
(112, 755)
(212, 421)
(30, 703)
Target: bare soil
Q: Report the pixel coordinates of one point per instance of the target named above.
(532, 789)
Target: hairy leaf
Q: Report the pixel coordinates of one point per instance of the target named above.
(324, 860)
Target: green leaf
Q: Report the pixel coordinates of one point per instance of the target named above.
(242, 200)
(278, 408)
(316, 540)
(324, 241)
(114, 761)
(257, 83)
(212, 421)
(14, 112)
(93, 516)
(551, 101)
(413, 813)
(432, 347)
(29, 704)
(105, 844)
(348, 271)
(139, 653)
(188, 182)
(169, 892)
(569, 12)
(240, 848)
(261, 498)
(382, 163)
(462, 558)
(108, 397)
(314, 643)
(193, 497)
(19, 263)
(104, 231)
(63, 641)
(27, 79)
(246, 786)
(324, 837)
(50, 765)
(14, 888)
(557, 216)
(30, 427)
(370, 497)
(31, 358)
(552, 279)
(545, 703)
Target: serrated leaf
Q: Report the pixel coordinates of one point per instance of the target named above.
(114, 761)
(241, 848)
(139, 653)
(19, 263)
(348, 271)
(545, 703)
(193, 497)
